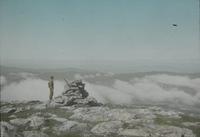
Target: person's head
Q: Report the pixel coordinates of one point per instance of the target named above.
(52, 77)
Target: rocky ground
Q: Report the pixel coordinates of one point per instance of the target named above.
(35, 119)
(75, 114)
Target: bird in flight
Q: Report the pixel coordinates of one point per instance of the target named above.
(175, 25)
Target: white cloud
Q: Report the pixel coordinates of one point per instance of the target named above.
(3, 80)
(30, 89)
(176, 80)
(24, 75)
(78, 76)
(107, 94)
(146, 89)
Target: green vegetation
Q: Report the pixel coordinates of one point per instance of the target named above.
(50, 134)
(44, 113)
(28, 112)
(4, 117)
(161, 120)
(187, 118)
(50, 123)
(58, 111)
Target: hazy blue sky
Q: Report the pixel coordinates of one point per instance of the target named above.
(52, 31)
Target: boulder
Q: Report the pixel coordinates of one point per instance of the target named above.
(7, 110)
(35, 121)
(34, 134)
(75, 94)
(191, 124)
(59, 100)
(133, 132)
(59, 119)
(19, 121)
(121, 114)
(89, 101)
(172, 131)
(107, 128)
(70, 126)
(91, 114)
(7, 130)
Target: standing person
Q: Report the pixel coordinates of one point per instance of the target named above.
(51, 87)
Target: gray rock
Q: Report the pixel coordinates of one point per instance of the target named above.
(70, 126)
(172, 131)
(140, 122)
(75, 94)
(144, 114)
(89, 101)
(191, 124)
(157, 131)
(91, 114)
(39, 106)
(19, 121)
(106, 128)
(121, 114)
(12, 116)
(59, 100)
(53, 104)
(7, 130)
(54, 117)
(70, 100)
(34, 134)
(68, 108)
(19, 109)
(170, 114)
(134, 132)
(35, 121)
(101, 114)
(7, 110)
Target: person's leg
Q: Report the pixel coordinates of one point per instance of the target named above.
(51, 94)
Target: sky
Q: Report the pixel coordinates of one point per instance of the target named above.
(53, 33)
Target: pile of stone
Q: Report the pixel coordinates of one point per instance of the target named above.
(76, 87)
(75, 94)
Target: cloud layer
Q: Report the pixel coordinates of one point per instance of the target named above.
(3, 80)
(160, 88)
(30, 89)
(150, 89)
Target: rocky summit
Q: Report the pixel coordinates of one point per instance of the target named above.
(76, 114)
(74, 95)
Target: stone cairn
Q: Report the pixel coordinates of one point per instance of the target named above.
(75, 94)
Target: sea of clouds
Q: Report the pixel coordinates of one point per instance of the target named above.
(149, 89)
(157, 88)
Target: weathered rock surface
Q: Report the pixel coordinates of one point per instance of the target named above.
(91, 114)
(59, 119)
(75, 112)
(94, 114)
(34, 134)
(8, 110)
(33, 121)
(75, 94)
(96, 121)
(134, 132)
(107, 128)
(70, 126)
(191, 124)
(19, 121)
(172, 131)
(7, 130)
